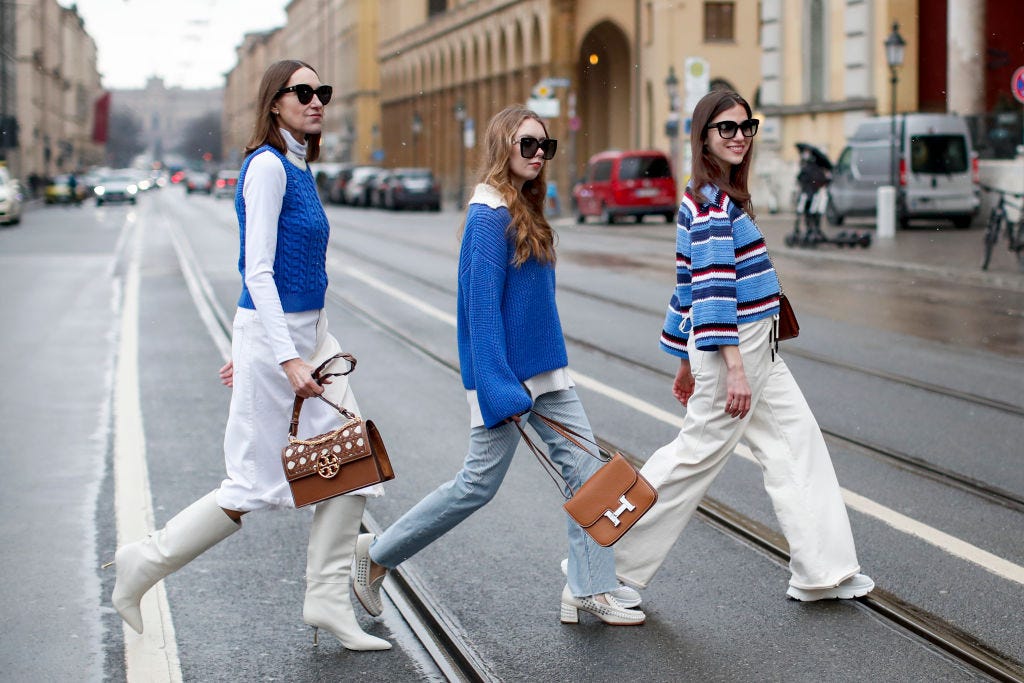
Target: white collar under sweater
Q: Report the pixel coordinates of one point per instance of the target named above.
(296, 150)
(488, 195)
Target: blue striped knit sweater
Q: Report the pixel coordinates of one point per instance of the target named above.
(300, 260)
(508, 325)
(723, 275)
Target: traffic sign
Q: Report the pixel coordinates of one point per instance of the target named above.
(1017, 84)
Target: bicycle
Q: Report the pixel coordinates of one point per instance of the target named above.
(997, 220)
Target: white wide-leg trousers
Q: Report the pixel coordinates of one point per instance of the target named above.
(786, 441)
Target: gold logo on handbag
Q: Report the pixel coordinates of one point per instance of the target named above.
(345, 459)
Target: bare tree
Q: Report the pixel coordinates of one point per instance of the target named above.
(124, 139)
(202, 138)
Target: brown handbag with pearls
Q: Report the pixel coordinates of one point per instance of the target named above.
(340, 461)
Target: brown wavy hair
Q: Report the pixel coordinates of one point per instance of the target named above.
(266, 130)
(705, 168)
(531, 233)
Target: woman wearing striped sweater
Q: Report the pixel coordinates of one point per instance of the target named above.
(721, 325)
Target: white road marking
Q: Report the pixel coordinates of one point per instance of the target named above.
(945, 542)
(152, 656)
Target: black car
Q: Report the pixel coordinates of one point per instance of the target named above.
(409, 188)
(198, 181)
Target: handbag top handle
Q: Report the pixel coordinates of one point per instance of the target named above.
(320, 376)
(545, 462)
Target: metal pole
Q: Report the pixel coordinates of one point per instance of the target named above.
(462, 161)
(892, 160)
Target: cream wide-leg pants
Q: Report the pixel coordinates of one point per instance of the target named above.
(786, 441)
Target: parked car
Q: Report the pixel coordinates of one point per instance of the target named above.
(118, 187)
(937, 169)
(336, 189)
(225, 183)
(357, 190)
(11, 198)
(408, 188)
(626, 183)
(198, 181)
(59, 191)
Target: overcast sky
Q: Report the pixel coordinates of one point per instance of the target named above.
(189, 43)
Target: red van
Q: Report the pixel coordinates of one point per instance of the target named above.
(633, 183)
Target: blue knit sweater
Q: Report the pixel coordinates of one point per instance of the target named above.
(300, 260)
(723, 275)
(508, 326)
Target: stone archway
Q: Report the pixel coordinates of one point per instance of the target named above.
(603, 105)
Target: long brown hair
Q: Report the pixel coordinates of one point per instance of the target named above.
(705, 167)
(530, 230)
(266, 130)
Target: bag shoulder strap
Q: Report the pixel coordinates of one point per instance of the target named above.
(545, 462)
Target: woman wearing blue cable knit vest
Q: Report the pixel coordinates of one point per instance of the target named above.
(513, 361)
(280, 335)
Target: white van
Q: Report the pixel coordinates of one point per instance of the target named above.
(937, 170)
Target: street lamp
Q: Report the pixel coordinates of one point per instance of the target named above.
(672, 123)
(894, 47)
(460, 116)
(417, 128)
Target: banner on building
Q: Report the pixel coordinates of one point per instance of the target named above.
(101, 119)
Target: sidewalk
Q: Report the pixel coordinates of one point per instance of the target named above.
(934, 249)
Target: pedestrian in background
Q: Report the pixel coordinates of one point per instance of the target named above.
(721, 325)
(513, 360)
(280, 335)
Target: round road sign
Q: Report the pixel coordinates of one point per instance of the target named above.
(1017, 84)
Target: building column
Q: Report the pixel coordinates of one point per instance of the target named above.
(965, 65)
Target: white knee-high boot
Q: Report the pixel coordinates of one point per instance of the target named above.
(186, 536)
(332, 541)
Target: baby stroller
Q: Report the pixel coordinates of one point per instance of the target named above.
(813, 179)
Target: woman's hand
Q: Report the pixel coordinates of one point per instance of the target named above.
(227, 374)
(300, 375)
(682, 387)
(737, 399)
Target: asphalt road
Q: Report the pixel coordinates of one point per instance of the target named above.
(716, 611)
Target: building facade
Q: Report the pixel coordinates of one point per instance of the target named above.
(49, 104)
(824, 69)
(339, 39)
(164, 114)
(416, 89)
(596, 69)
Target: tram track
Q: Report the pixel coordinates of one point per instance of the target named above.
(902, 460)
(930, 387)
(444, 643)
(931, 630)
(454, 655)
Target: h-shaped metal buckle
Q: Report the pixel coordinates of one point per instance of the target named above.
(625, 507)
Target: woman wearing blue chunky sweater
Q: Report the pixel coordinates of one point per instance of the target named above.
(513, 362)
(720, 324)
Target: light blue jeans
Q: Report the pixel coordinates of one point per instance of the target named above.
(591, 567)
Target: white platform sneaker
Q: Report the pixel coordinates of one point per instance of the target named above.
(854, 587)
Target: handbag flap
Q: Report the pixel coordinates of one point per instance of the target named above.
(326, 453)
(602, 490)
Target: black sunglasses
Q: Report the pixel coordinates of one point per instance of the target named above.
(304, 92)
(528, 147)
(727, 129)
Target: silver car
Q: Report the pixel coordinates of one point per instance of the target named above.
(935, 166)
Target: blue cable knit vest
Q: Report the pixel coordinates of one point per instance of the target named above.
(508, 326)
(300, 262)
